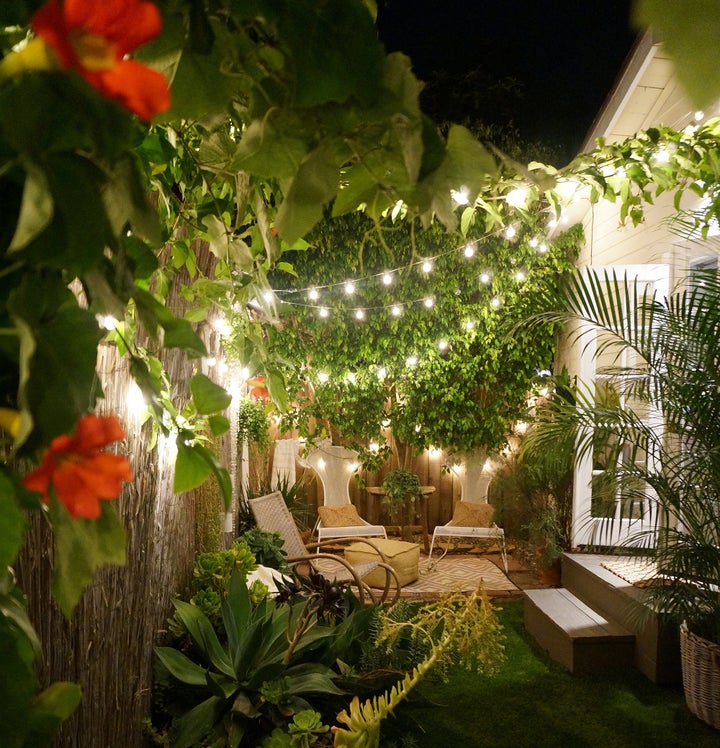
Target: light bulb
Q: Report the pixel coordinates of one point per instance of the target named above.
(461, 196)
(516, 198)
(429, 302)
(359, 314)
(387, 278)
(442, 345)
(427, 266)
(268, 296)
(382, 372)
(510, 232)
(351, 377)
(520, 276)
(412, 361)
(106, 321)
(395, 310)
(495, 302)
(323, 311)
(469, 250)
(699, 115)
(322, 377)
(349, 288)
(313, 294)
(533, 242)
(469, 325)
(417, 428)
(485, 278)
(543, 248)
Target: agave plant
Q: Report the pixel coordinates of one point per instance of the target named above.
(674, 346)
(263, 666)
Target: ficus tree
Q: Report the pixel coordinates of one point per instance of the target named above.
(421, 348)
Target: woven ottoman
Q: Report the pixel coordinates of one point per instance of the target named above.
(403, 557)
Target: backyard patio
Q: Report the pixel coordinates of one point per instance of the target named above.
(257, 308)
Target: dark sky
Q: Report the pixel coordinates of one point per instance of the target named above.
(565, 55)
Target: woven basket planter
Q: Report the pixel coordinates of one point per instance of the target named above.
(701, 676)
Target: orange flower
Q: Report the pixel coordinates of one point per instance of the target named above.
(79, 473)
(258, 388)
(94, 37)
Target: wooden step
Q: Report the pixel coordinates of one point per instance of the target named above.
(574, 634)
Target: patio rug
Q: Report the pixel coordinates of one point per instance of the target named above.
(450, 574)
(457, 573)
(637, 571)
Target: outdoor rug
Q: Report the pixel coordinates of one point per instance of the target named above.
(457, 573)
(637, 571)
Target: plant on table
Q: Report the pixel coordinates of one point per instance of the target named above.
(402, 489)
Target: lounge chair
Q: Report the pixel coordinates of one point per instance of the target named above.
(272, 514)
(338, 517)
(472, 519)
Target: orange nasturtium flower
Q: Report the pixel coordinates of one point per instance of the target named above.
(94, 38)
(79, 473)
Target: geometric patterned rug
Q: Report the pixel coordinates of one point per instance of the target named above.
(637, 571)
(457, 573)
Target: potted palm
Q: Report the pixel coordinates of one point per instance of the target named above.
(675, 346)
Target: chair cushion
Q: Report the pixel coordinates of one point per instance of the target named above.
(344, 515)
(472, 514)
(403, 557)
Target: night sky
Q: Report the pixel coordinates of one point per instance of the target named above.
(562, 56)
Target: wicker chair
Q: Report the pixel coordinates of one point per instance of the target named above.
(272, 514)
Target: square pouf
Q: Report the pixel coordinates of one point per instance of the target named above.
(403, 557)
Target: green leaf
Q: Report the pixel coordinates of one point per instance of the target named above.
(81, 547)
(50, 709)
(314, 186)
(208, 396)
(36, 210)
(689, 32)
(276, 387)
(181, 666)
(191, 468)
(219, 425)
(203, 634)
(189, 730)
(12, 523)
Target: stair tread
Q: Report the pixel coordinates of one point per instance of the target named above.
(578, 620)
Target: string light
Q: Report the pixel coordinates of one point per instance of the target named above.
(323, 377)
(469, 250)
(412, 361)
(427, 266)
(313, 294)
(461, 196)
(495, 302)
(442, 345)
(360, 314)
(395, 310)
(469, 325)
(429, 302)
(387, 278)
(510, 232)
(349, 288)
(323, 311)
(485, 277)
(517, 198)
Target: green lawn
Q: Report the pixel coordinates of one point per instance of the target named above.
(533, 702)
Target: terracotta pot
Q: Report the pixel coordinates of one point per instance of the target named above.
(551, 576)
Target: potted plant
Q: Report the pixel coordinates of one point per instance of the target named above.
(675, 345)
(402, 488)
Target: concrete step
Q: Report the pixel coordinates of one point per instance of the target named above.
(574, 634)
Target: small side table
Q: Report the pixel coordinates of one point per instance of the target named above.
(422, 511)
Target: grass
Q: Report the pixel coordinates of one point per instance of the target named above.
(534, 702)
